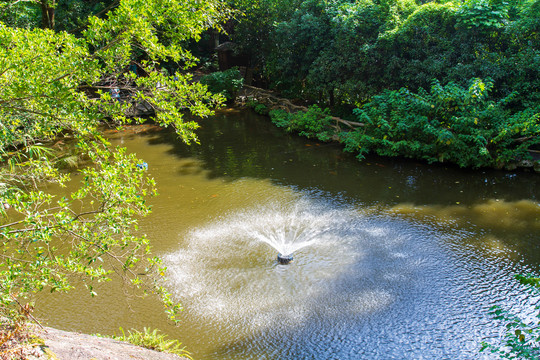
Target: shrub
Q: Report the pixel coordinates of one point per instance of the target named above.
(258, 107)
(448, 124)
(261, 109)
(226, 82)
(314, 123)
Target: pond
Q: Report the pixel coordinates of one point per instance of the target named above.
(396, 259)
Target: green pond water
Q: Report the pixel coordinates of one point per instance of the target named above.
(395, 259)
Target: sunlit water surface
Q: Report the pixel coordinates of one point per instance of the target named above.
(392, 259)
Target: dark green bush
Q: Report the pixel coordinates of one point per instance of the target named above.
(226, 82)
(354, 52)
(258, 107)
(313, 124)
(447, 124)
(261, 109)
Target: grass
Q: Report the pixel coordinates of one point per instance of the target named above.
(153, 340)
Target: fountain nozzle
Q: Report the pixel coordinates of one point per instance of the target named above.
(284, 259)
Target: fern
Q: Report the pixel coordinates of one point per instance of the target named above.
(153, 340)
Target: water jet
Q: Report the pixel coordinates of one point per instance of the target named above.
(284, 259)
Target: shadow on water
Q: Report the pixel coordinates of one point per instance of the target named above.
(247, 145)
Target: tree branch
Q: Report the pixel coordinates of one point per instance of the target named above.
(18, 1)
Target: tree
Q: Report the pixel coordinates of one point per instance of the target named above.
(449, 123)
(56, 86)
(522, 337)
(67, 15)
(298, 42)
(252, 27)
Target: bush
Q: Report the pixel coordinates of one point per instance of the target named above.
(226, 82)
(258, 107)
(448, 124)
(314, 123)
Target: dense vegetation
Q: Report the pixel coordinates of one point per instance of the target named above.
(448, 123)
(455, 81)
(60, 69)
(226, 83)
(476, 64)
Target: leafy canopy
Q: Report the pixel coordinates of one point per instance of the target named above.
(56, 88)
(379, 56)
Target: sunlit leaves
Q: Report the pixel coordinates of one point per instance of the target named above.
(313, 123)
(91, 233)
(483, 14)
(38, 71)
(54, 85)
(446, 124)
(343, 52)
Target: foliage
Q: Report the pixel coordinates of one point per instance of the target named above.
(16, 340)
(56, 88)
(253, 25)
(340, 51)
(522, 337)
(367, 52)
(261, 109)
(20, 14)
(483, 14)
(297, 42)
(447, 124)
(153, 340)
(258, 107)
(226, 82)
(61, 15)
(314, 123)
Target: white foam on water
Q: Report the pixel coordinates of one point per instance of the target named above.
(227, 270)
(347, 263)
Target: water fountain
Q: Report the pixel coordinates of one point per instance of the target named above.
(394, 280)
(216, 283)
(288, 229)
(284, 259)
(353, 270)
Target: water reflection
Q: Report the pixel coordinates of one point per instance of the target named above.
(250, 147)
(508, 228)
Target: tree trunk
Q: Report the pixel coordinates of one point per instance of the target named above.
(47, 14)
(214, 38)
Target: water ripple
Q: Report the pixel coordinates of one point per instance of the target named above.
(362, 285)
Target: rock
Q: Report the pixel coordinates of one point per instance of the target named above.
(64, 345)
(526, 163)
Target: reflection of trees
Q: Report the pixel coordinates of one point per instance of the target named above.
(494, 214)
(247, 146)
(242, 144)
